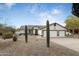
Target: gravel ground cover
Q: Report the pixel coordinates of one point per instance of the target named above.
(36, 46)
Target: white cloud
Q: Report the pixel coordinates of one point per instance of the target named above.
(46, 15)
(43, 17)
(32, 9)
(56, 11)
(9, 5)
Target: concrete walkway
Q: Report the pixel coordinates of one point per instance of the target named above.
(71, 43)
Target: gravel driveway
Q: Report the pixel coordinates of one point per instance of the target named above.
(71, 43)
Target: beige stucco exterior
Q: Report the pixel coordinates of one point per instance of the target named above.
(57, 27)
(55, 31)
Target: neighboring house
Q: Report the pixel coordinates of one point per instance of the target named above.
(33, 29)
(56, 30)
(36, 29)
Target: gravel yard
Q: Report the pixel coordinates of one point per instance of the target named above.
(36, 46)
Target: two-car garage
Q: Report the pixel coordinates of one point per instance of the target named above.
(55, 31)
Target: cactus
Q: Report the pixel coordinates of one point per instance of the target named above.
(48, 33)
(26, 35)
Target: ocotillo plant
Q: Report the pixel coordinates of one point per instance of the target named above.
(48, 33)
(26, 35)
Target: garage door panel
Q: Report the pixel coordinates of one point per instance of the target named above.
(44, 33)
(61, 33)
(53, 33)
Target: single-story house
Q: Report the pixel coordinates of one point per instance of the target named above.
(56, 30)
(32, 29)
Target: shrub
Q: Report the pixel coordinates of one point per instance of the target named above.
(7, 35)
(14, 38)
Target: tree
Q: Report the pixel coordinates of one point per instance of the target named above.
(75, 9)
(1, 25)
(10, 29)
(72, 23)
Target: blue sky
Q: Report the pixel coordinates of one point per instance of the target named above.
(18, 14)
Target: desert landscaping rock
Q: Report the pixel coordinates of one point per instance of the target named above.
(36, 46)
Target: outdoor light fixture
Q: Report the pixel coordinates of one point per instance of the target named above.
(54, 24)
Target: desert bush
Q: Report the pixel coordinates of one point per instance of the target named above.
(14, 38)
(7, 35)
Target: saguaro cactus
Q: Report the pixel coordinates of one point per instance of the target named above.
(26, 35)
(48, 33)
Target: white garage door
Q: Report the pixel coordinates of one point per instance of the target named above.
(44, 33)
(52, 33)
(62, 33)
